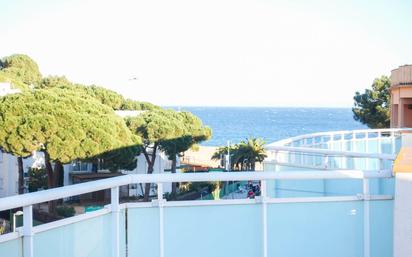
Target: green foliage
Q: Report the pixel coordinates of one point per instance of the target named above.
(220, 153)
(20, 69)
(15, 82)
(193, 133)
(249, 152)
(120, 159)
(156, 126)
(199, 187)
(243, 156)
(129, 104)
(171, 131)
(106, 96)
(22, 72)
(65, 211)
(56, 81)
(37, 179)
(372, 107)
(61, 123)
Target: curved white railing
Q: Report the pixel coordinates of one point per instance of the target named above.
(321, 150)
(346, 134)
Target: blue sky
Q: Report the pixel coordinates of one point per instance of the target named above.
(216, 52)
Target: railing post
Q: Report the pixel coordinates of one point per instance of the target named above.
(277, 168)
(379, 142)
(326, 161)
(28, 231)
(366, 218)
(344, 159)
(263, 195)
(115, 221)
(331, 142)
(161, 217)
(342, 142)
(367, 160)
(393, 141)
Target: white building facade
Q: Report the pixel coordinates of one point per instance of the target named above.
(6, 88)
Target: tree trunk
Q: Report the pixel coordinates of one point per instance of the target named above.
(50, 180)
(21, 174)
(95, 167)
(58, 179)
(58, 174)
(150, 168)
(174, 184)
(141, 188)
(147, 185)
(49, 170)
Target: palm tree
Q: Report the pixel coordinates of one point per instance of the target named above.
(244, 155)
(221, 154)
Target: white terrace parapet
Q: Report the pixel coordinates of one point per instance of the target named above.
(114, 210)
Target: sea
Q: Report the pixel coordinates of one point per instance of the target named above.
(269, 123)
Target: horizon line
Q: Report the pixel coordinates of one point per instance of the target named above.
(254, 106)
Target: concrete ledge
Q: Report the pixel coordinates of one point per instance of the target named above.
(402, 229)
(403, 162)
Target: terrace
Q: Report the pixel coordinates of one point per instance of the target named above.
(325, 194)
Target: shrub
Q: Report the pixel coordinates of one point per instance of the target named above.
(65, 211)
(37, 179)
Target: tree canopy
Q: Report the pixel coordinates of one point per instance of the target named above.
(156, 126)
(21, 70)
(106, 96)
(61, 124)
(193, 132)
(124, 158)
(372, 107)
(67, 126)
(168, 130)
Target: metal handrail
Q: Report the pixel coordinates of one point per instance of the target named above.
(332, 152)
(87, 187)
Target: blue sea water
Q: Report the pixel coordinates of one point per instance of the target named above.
(271, 124)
